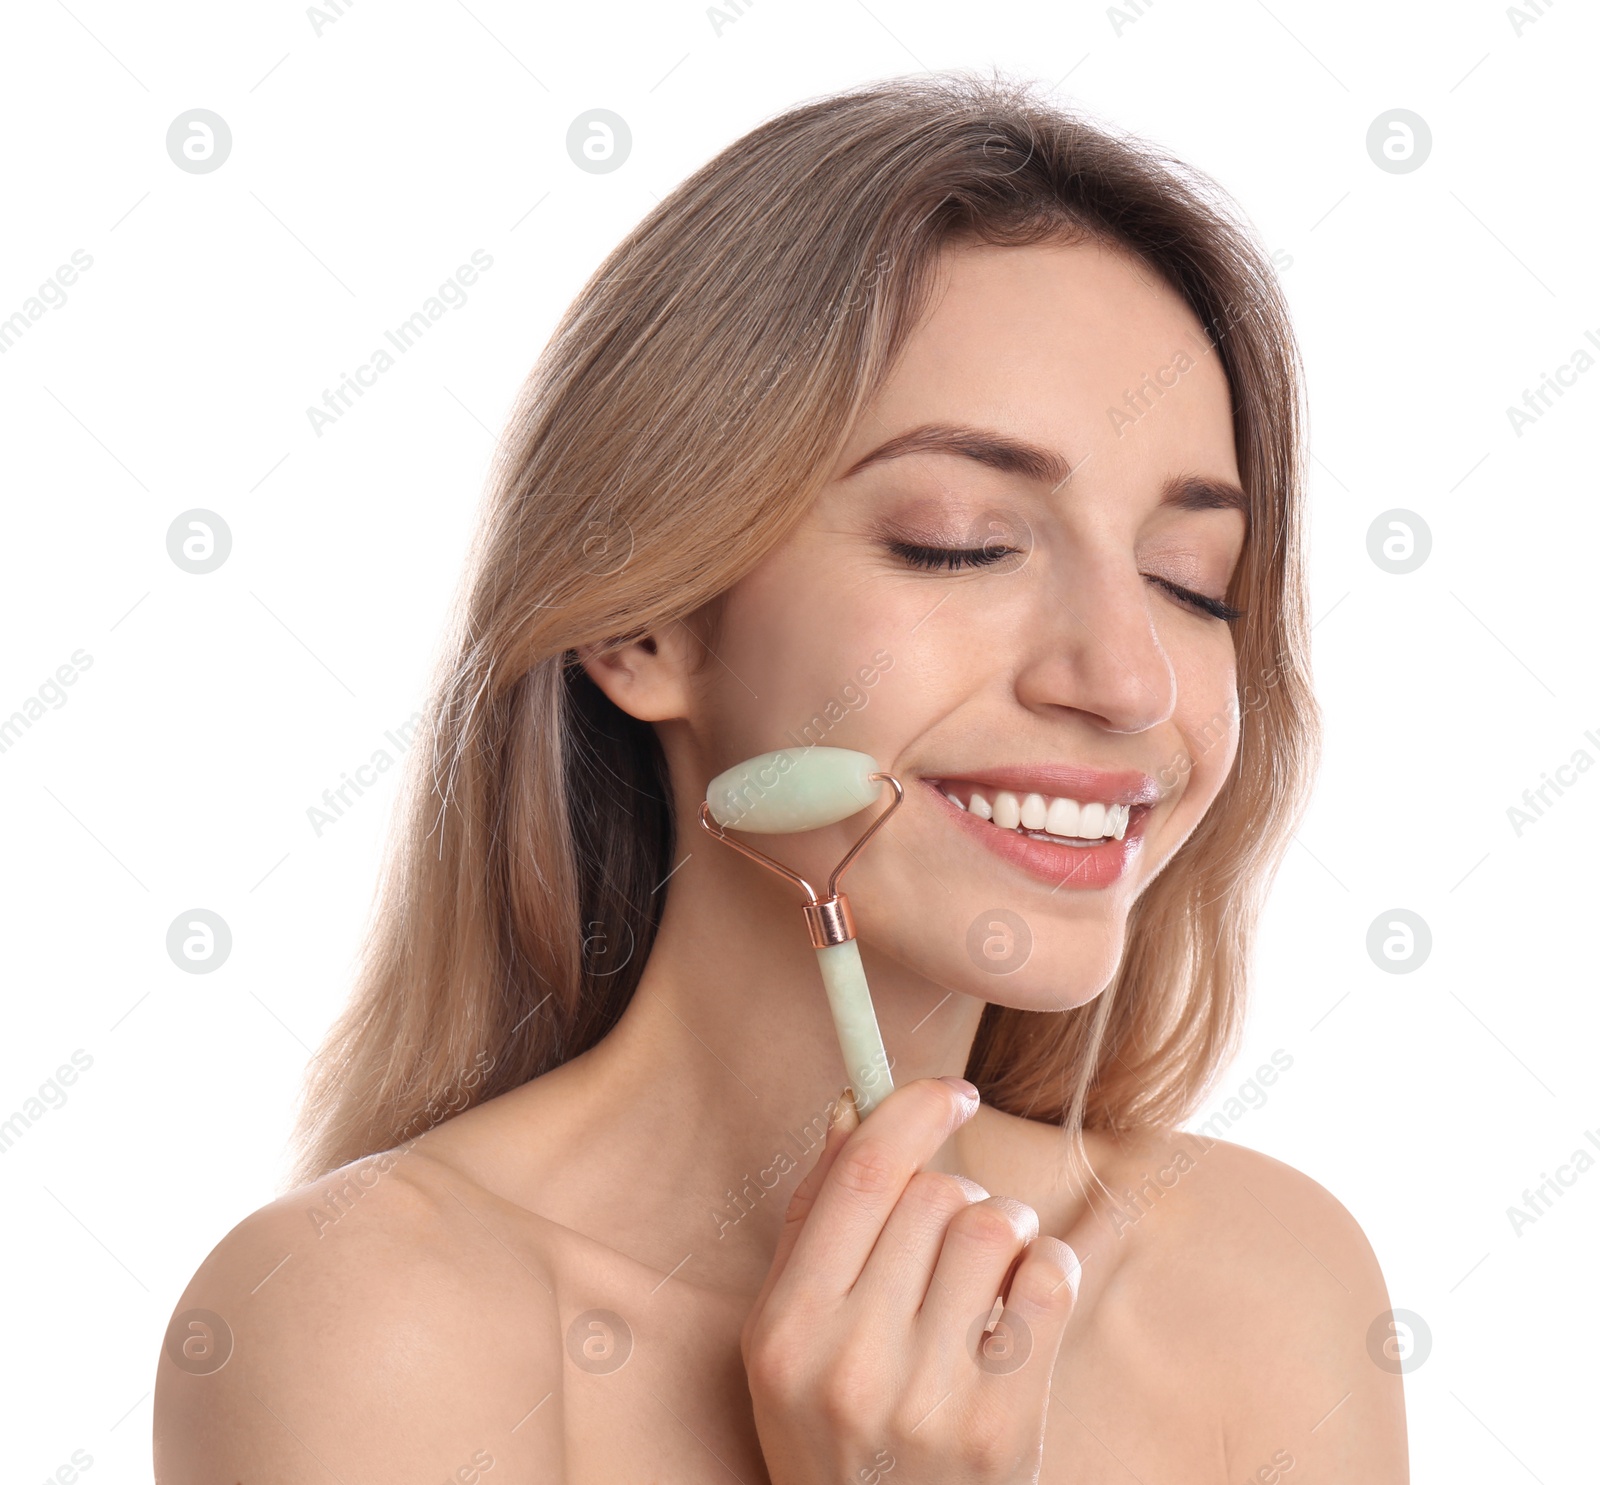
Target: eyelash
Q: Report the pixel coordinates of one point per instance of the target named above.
(950, 559)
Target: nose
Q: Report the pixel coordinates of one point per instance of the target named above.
(1093, 647)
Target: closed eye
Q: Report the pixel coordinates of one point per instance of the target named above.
(1215, 607)
(950, 559)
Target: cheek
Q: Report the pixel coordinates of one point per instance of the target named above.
(1207, 715)
(800, 656)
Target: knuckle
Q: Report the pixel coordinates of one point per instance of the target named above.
(988, 1446)
(909, 1412)
(936, 1192)
(986, 1224)
(832, 1403)
(770, 1371)
(1045, 1285)
(1038, 1297)
(866, 1167)
(845, 1386)
(774, 1363)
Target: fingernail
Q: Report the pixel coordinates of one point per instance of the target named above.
(974, 1191)
(847, 1115)
(1074, 1269)
(961, 1085)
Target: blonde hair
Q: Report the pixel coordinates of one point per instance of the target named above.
(691, 403)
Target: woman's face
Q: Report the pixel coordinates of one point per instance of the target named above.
(1058, 419)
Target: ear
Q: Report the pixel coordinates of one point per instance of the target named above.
(648, 678)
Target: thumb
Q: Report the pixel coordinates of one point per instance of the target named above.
(845, 1121)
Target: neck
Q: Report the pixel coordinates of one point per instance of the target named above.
(712, 1095)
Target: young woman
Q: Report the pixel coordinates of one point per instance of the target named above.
(927, 420)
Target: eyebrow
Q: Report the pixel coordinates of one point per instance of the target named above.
(983, 445)
(996, 450)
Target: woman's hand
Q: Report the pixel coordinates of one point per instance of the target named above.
(865, 1350)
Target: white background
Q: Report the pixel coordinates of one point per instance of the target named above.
(367, 163)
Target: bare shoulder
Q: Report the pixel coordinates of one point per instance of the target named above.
(1269, 1284)
(385, 1321)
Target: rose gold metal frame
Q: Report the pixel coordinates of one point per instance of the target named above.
(828, 919)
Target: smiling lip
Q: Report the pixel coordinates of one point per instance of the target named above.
(1073, 868)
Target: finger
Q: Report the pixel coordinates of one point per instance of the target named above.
(900, 1268)
(844, 1122)
(1038, 1307)
(866, 1180)
(980, 1246)
(847, 1121)
(1046, 1281)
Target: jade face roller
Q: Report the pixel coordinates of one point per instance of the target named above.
(801, 789)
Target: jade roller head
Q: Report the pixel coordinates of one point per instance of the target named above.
(798, 789)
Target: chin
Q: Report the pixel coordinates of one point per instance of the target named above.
(1053, 967)
(1025, 960)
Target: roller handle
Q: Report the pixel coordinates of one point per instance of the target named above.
(866, 1063)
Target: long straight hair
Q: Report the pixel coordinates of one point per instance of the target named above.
(691, 403)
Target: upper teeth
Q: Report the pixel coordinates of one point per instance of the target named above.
(1076, 819)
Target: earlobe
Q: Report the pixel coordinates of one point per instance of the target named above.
(646, 677)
